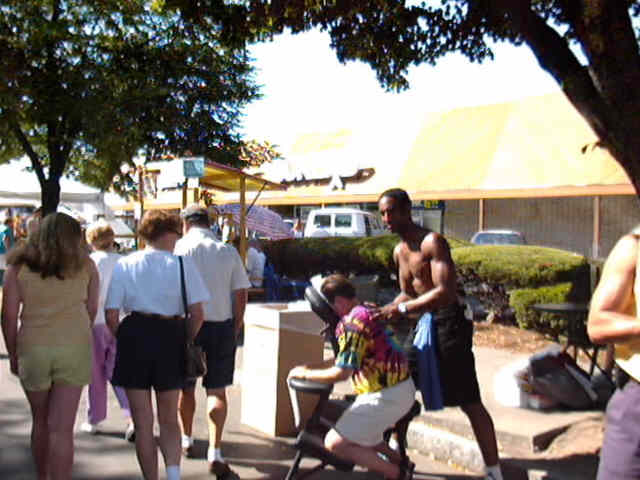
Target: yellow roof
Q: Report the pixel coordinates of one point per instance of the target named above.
(529, 145)
(526, 148)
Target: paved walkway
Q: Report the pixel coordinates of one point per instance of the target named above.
(108, 456)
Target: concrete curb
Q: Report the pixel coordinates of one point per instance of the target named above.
(457, 448)
(445, 446)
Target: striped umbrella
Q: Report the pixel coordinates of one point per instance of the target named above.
(260, 219)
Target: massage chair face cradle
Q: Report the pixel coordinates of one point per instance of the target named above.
(310, 441)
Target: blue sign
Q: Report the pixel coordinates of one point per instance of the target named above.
(193, 167)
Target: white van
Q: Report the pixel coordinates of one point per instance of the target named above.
(342, 222)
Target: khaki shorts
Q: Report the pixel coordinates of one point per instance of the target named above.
(41, 366)
(365, 421)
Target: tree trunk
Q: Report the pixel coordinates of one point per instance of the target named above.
(50, 195)
(603, 91)
(629, 159)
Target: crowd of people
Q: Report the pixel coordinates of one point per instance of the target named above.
(13, 230)
(75, 313)
(60, 279)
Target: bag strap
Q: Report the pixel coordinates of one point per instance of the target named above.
(184, 297)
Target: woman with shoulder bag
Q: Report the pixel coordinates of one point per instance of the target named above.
(152, 337)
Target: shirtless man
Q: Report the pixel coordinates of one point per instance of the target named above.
(427, 277)
(614, 320)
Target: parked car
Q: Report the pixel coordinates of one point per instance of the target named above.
(498, 237)
(342, 222)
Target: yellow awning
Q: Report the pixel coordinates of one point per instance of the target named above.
(228, 179)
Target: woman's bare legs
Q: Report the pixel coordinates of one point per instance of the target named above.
(142, 414)
(167, 402)
(63, 407)
(39, 402)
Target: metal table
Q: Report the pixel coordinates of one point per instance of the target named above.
(577, 337)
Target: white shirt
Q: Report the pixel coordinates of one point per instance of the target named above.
(105, 262)
(221, 268)
(255, 266)
(149, 281)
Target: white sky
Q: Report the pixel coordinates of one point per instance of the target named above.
(305, 88)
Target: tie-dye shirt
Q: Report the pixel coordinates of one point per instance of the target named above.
(370, 349)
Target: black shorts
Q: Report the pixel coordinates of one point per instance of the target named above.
(150, 353)
(218, 340)
(457, 364)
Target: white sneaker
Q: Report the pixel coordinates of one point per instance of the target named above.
(87, 427)
(130, 433)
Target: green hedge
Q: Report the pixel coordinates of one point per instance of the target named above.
(516, 277)
(303, 258)
(522, 299)
(523, 265)
(503, 277)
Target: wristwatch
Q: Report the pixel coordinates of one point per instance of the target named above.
(402, 308)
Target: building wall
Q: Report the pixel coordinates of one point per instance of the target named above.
(565, 223)
(619, 215)
(461, 218)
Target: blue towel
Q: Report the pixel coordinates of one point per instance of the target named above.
(428, 368)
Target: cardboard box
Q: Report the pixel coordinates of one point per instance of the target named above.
(278, 336)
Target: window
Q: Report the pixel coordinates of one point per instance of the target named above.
(343, 220)
(323, 221)
(367, 226)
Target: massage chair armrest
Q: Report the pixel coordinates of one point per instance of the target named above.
(308, 386)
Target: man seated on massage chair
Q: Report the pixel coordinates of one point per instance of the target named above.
(379, 372)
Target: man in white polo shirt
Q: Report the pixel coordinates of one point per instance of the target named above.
(223, 272)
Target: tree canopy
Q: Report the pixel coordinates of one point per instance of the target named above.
(84, 85)
(601, 81)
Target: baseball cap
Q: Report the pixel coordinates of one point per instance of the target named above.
(194, 212)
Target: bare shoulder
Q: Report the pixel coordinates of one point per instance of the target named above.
(434, 243)
(624, 254)
(397, 251)
(88, 262)
(89, 265)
